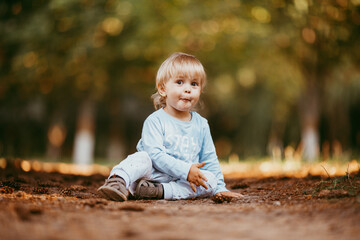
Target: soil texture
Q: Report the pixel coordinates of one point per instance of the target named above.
(40, 205)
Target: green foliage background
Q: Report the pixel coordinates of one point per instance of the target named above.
(272, 66)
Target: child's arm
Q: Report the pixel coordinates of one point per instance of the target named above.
(208, 155)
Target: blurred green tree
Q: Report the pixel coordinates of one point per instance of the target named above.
(73, 70)
(319, 36)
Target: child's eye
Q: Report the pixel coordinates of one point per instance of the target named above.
(195, 84)
(179, 82)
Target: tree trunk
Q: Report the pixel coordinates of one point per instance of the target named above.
(310, 140)
(275, 145)
(56, 137)
(116, 147)
(84, 138)
(309, 116)
(339, 129)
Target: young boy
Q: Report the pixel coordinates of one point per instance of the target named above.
(174, 145)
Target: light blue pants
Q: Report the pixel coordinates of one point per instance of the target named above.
(139, 166)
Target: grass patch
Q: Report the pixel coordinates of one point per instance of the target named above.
(349, 183)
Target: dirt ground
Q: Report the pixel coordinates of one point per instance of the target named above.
(39, 205)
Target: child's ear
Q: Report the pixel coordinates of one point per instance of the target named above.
(161, 90)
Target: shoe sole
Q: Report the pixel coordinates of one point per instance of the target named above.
(112, 194)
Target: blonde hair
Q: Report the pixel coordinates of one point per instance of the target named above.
(178, 64)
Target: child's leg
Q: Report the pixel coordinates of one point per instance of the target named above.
(181, 189)
(123, 177)
(134, 167)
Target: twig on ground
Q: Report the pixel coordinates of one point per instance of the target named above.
(326, 171)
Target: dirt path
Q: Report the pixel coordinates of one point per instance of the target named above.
(37, 205)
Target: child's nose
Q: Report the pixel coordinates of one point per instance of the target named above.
(187, 88)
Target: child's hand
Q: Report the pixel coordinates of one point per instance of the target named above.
(196, 177)
(230, 194)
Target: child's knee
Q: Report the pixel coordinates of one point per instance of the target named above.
(143, 157)
(211, 180)
(138, 160)
(142, 160)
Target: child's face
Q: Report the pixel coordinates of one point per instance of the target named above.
(182, 93)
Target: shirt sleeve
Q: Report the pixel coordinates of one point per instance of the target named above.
(208, 155)
(153, 144)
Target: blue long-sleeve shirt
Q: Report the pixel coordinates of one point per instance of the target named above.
(175, 145)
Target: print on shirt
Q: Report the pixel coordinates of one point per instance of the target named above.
(182, 147)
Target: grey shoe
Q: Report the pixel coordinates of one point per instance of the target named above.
(149, 190)
(114, 189)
